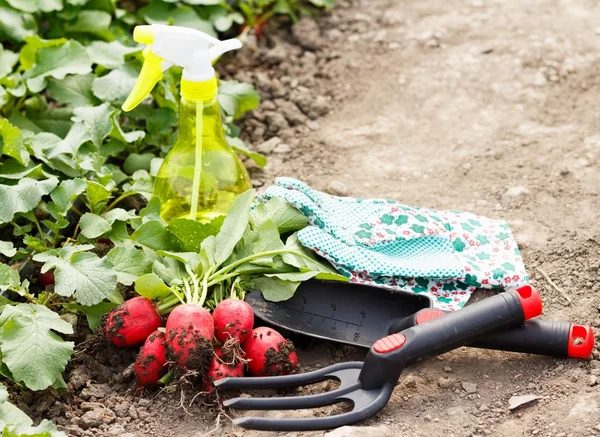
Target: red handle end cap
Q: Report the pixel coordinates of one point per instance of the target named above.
(427, 315)
(389, 343)
(581, 341)
(531, 301)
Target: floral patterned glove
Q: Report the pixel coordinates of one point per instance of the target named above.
(444, 254)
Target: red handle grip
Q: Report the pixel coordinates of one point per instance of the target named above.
(389, 355)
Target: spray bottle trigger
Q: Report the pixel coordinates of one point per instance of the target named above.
(152, 72)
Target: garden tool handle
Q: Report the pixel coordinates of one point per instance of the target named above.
(388, 356)
(541, 337)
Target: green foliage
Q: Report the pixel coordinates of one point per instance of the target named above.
(31, 347)
(75, 171)
(246, 252)
(79, 273)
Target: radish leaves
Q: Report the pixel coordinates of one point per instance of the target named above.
(83, 275)
(233, 227)
(247, 251)
(31, 347)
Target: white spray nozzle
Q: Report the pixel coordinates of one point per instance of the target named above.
(174, 45)
(225, 46)
(189, 48)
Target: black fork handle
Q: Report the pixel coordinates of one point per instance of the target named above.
(388, 356)
(542, 337)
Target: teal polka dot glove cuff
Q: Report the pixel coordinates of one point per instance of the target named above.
(445, 254)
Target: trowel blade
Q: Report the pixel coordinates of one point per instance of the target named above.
(348, 313)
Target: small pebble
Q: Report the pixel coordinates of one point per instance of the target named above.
(282, 149)
(445, 382)
(268, 105)
(91, 419)
(592, 381)
(410, 382)
(337, 188)
(448, 369)
(516, 192)
(268, 146)
(469, 387)
(128, 371)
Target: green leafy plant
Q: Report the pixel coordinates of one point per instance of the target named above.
(245, 251)
(258, 12)
(77, 221)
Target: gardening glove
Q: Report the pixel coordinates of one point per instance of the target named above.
(444, 254)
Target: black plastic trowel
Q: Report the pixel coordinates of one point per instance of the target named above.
(344, 312)
(359, 315)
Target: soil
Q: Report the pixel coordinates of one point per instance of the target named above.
(488, 107)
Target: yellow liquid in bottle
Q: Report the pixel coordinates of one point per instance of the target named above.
(220, 178)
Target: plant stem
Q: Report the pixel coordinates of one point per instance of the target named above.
(39, 228)
(76, 231)
(195, 282)
(26, 295)
(166, 305)
(188, 292)
(233, 265)
(232, 293)
(118, 199)
(204, 290)
(19, 102)
(49, 299)
(74, 208)
(219, 279)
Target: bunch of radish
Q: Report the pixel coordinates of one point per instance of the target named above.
(215, 346)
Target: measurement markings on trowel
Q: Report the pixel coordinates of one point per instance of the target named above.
(323, 318)
(303, 315)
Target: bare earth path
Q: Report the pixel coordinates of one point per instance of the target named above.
(489, 107)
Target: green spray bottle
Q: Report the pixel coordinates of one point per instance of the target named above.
(201, 175)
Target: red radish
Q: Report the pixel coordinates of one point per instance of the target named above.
(223, 365)
(46, 279)
(233, 319)
(150, 364)
(190, 330)
(260, 29)
(269, 353)
(132, 322)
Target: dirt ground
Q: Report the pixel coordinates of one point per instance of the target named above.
(484, 106)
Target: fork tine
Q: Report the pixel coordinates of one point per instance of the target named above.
(290, 402)
(304, 424)
(287, 381)
(319, 423)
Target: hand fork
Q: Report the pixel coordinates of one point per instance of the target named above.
(369, 385)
